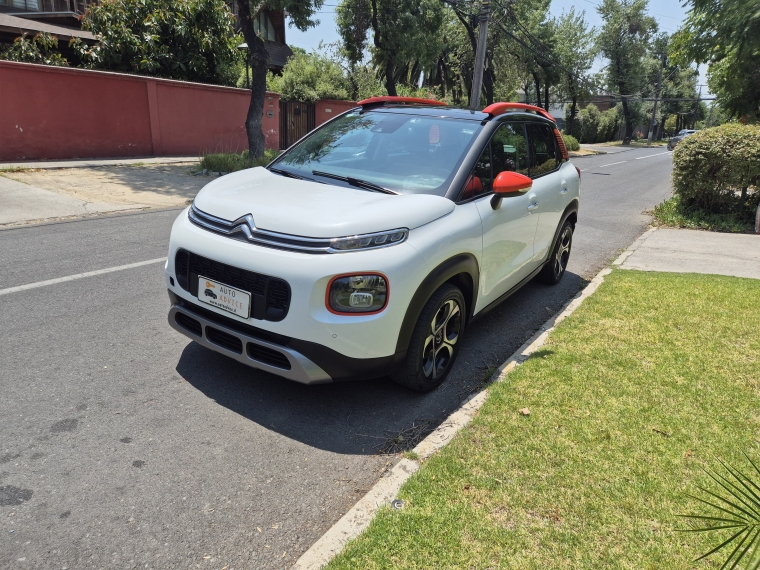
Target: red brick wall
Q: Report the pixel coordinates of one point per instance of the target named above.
(326, 109)
(56, 113)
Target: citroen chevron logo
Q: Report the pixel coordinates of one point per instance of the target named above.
(244, 224)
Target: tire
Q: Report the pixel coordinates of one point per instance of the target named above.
(555, 267)
(435, 341)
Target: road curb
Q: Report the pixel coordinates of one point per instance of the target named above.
(633, 247)
(358, 518)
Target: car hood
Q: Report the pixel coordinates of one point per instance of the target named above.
(311, 209)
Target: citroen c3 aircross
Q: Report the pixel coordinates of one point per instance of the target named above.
(366, 248)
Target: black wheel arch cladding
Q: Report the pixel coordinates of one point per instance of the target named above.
(462, 270)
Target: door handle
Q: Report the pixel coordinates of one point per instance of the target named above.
(533, 206)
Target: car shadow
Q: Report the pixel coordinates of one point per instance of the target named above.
(371, 416)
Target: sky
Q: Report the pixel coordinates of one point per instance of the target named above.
(668, 13)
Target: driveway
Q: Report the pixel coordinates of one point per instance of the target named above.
(124, 445)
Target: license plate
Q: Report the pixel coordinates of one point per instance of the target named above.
(224, 297)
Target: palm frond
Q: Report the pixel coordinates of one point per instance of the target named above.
(737, 502)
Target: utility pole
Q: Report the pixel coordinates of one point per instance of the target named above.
(654, 109)
(480, 55)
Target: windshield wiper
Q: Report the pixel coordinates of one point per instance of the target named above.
(282, 172)
(358, 182)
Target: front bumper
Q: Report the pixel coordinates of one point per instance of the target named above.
(298, 360)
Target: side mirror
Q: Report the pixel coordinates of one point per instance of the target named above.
(510, 183)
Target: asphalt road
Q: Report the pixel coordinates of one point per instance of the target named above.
(125, 445)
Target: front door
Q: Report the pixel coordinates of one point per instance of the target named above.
(509, 229)
(549, 185)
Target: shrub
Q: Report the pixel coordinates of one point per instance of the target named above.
(42, 48)
(571, 142)
(717, 170)
(230, 162)
(308, 77)
(590, 117)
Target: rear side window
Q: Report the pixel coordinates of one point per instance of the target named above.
(544, 155)
(507, 150)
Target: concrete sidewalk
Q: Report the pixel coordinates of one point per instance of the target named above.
(21, 202)
(692, 251)
(93, 162)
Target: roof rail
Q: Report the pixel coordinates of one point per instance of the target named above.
(501, 108)
(392, 99)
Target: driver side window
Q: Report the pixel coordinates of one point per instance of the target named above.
(507, 150)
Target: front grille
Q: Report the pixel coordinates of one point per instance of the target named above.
(225, 340)
(267, 355)
(270, 296)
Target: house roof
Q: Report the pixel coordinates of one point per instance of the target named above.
(18, 26)
(278, 53)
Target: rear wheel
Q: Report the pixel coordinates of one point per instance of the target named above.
(435, 341)
(554, 269)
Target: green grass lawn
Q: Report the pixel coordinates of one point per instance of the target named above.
(652, 379)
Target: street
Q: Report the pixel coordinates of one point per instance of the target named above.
(125, 445)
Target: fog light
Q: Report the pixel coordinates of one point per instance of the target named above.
(357, 294)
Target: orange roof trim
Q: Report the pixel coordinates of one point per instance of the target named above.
(501, 108)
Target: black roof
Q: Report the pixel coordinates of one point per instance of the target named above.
(453, 112)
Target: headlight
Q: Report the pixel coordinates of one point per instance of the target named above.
(367, 241)
(365, 293)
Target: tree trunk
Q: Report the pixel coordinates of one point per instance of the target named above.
(258, 57)
(573, 111)
(537, 82)
(546, 96)
(390, 81)
(488, 85)
(628, 123)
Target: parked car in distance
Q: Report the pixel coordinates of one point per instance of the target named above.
(682, 134)
(366, 248)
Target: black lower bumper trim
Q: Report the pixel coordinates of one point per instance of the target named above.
(338, 366)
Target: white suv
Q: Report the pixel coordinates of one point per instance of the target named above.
(365, 248)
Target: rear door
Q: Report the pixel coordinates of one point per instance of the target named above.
(549, 185)
(509, 229)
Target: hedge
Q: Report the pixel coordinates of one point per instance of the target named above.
(571, 142)
(718, 170)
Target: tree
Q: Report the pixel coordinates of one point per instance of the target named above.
(575, 50)
(301, 14)
(42, 48)
(308, 77)
(726, 35)
(191, 40)
(403, 32)
(624, 41)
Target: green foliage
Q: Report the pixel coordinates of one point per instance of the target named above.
(402, 31)
(309, 77)
(42, 48)
(593, 126)
(624, 41)
(191, 40)
(231, 162)
(717, 170)
(589, 119)
(726, 35)
(571, 142)
(674, 214)
(734, 511)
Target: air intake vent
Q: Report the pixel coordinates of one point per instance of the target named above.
(225, 340)
(189, 324)
(268, 356)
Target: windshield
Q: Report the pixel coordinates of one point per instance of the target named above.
(394, 151)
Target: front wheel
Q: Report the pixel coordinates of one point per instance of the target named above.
(435, 341)
(554, 269)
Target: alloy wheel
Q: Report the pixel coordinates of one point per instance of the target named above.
(563, 251)
(443, 334)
